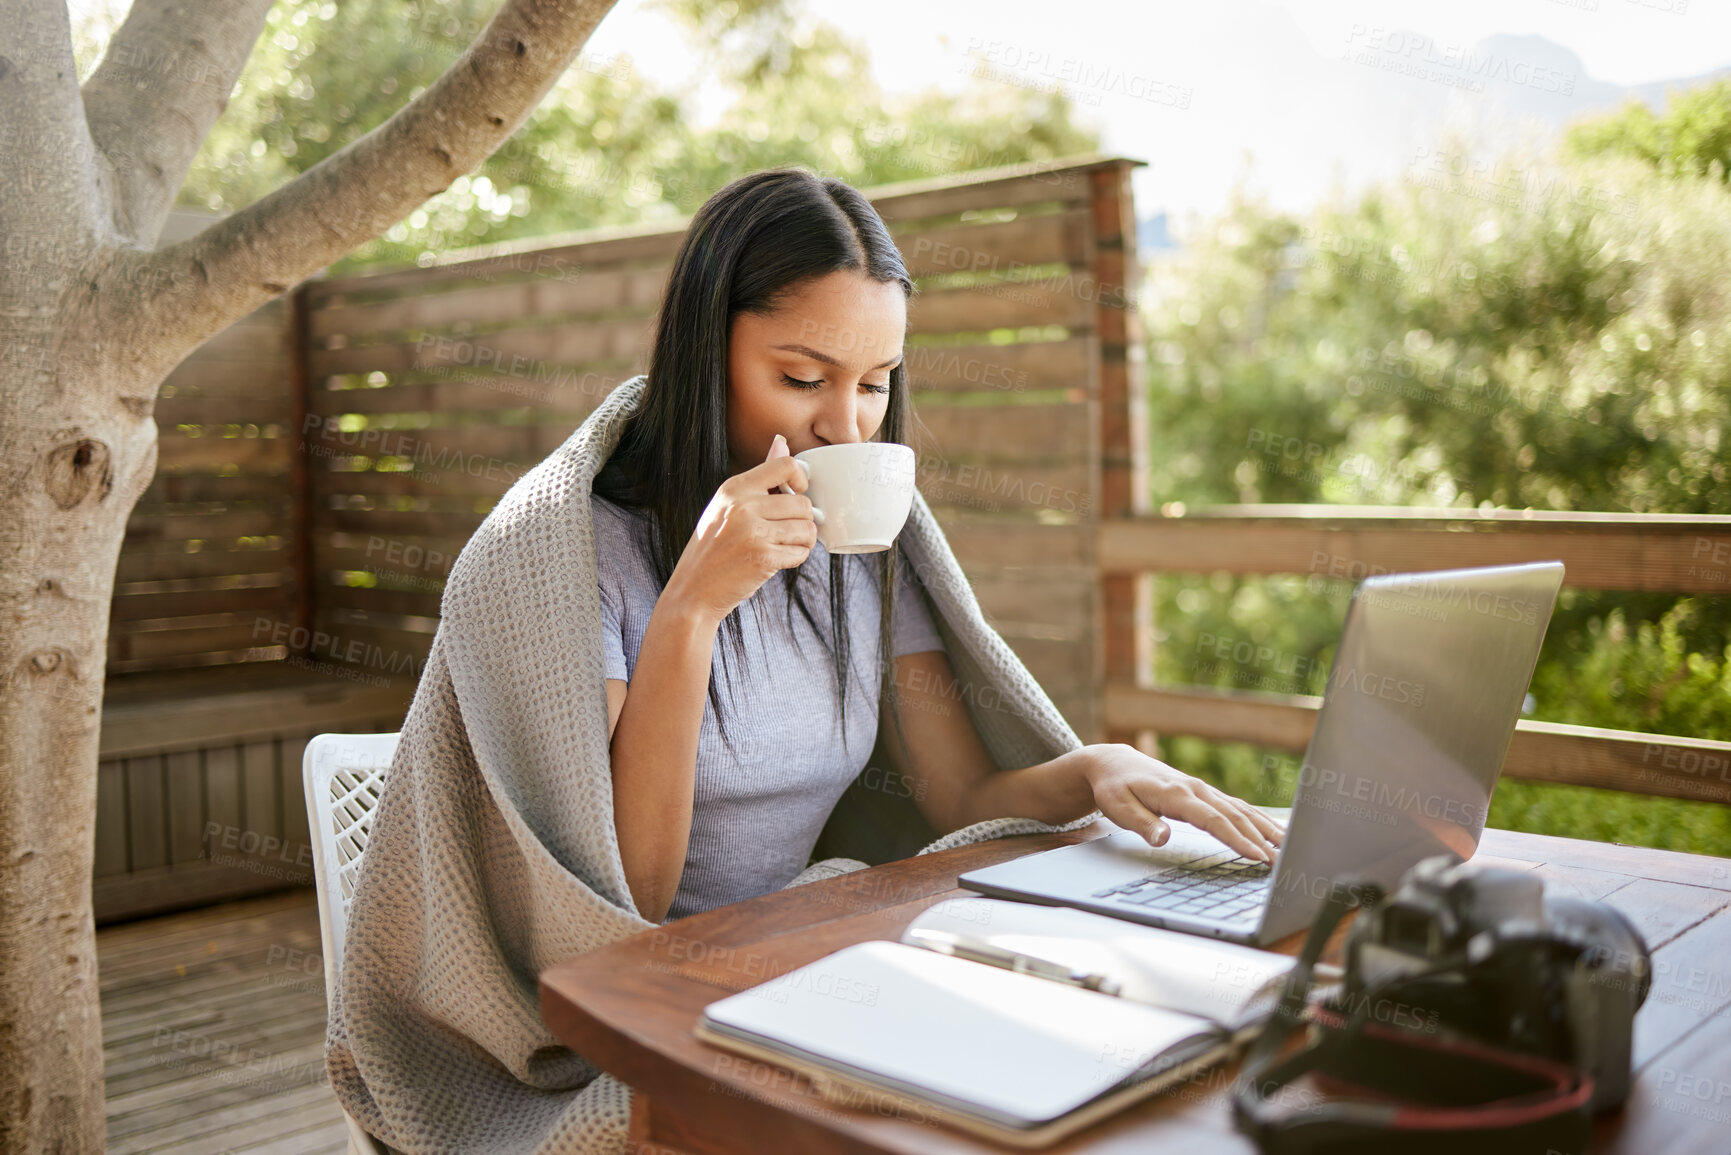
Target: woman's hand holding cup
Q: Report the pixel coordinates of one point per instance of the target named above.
(758, 523)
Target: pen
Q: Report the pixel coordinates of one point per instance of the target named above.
(961, 946)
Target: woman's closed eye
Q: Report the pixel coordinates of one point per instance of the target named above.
(797, 383)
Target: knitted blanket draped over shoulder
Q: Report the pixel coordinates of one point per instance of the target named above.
(493, 854)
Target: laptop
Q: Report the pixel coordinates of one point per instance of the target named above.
(1416, 719)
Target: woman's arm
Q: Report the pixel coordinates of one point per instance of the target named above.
(955, 782)
(745, 535)
(654, 751)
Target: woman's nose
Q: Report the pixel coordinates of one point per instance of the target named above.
(838, 422)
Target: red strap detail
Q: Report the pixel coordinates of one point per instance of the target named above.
(1512, 1112)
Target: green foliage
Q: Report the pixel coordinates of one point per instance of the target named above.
(1645, 678)
(1545, 333)
(1427, 346)
(604, 147)
(1693, 137)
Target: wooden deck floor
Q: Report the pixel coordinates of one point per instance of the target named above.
(213, 1031)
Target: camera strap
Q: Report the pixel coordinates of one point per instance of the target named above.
(1376, 1086)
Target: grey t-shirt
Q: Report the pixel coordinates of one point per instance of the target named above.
(759, 806)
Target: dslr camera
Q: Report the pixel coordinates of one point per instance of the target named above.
(1495, 958)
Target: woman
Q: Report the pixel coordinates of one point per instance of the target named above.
(588, 755)
(782, 330)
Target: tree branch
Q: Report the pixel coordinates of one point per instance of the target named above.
(163, 81)
(354, 195)
(48, 207)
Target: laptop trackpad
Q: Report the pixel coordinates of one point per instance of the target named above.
(1087, 867)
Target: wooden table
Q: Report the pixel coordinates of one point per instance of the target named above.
(630, 1007)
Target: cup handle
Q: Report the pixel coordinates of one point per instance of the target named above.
(816, 513)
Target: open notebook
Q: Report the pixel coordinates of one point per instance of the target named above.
(1019, 1022)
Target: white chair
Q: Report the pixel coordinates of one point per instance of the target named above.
(342, 775)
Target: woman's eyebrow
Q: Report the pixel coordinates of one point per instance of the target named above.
(808, 351)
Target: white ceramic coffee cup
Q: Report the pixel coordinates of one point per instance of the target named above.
(865, 490)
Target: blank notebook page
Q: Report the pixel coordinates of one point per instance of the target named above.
(1017, 1047)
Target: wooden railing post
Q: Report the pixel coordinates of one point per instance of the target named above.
(1125, 640)
(300, 472)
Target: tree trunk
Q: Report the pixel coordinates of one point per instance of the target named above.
(91, 322)
(73, 468)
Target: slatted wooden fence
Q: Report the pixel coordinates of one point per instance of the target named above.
(209, 550)
(431, 390)
(323, 462)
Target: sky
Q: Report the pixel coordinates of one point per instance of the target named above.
(1295, 99)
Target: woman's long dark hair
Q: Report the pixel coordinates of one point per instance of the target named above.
(747, 248)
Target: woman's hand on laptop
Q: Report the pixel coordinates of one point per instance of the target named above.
(956, 782)
(1139, 793)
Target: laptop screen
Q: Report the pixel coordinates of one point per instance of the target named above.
(1420, 707)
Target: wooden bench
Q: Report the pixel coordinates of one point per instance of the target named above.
(198, 793)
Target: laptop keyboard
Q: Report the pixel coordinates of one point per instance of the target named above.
(1222, 885)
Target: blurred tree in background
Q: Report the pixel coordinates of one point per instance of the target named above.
(1693, 137)
(605, 148)
(1545, 332)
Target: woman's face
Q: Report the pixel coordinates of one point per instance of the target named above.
(817, 370)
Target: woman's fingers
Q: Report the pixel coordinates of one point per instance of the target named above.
(767, 476)
(784, 507)
(1119, 773)
(1131, 813)
(1199, 811)
(1226, 824)
(799, 533)
(1244, 816)
(1271, 830)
